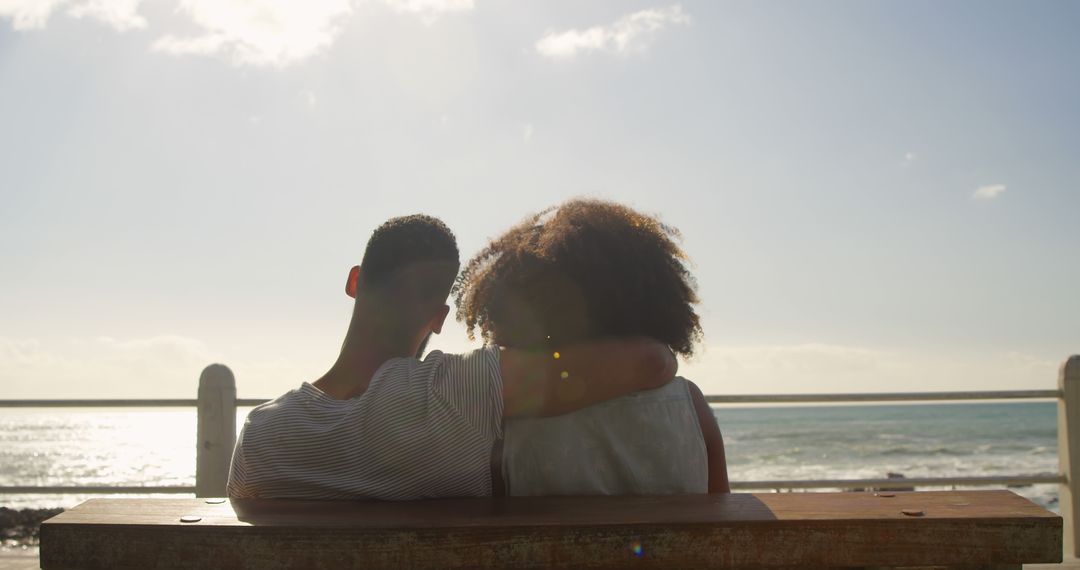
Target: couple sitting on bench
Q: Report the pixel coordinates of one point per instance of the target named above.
(581, 306)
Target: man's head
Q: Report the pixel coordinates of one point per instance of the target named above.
(402, 284)
(582, 270)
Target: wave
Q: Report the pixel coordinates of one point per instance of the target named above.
(906, 450)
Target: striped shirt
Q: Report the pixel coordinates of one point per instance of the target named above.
(422, 429)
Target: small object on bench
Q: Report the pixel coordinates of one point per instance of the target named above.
(981, 529)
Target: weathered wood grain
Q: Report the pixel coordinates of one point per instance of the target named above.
(807, 530)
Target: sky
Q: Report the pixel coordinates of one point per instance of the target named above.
(876, 196)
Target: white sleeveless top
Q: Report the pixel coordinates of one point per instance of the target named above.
(646, 443)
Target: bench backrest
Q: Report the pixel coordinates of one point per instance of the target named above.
(717, 531)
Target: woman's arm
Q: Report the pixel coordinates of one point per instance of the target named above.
(542, 383)
(714, 442)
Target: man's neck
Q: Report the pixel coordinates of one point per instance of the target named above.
(361, 356)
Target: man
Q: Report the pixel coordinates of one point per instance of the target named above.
(383, 424)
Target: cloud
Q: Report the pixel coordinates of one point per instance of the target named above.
(28, 14)
(273, 33)
(264, 33)
(988, 192)
(527, 133)
(103, 366)
(909, 158)
(821, 367)
(795, 359)
(430, 10)
(631, 33)
(121, 15)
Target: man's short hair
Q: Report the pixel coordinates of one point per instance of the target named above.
(581, 270)
(413, 255)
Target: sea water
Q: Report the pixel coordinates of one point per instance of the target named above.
(937, 440)
(61, 447)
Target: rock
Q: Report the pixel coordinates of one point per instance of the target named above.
(21, 527)
(892, 475)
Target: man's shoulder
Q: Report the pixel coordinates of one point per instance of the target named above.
(438, 356)
(437, 361)
(277, 405)
(487, 352)
(481, 363)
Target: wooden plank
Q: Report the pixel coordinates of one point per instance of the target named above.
(18, 561)
(967, 528)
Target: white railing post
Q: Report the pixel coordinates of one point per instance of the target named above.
(1069, 452)
(217, 430)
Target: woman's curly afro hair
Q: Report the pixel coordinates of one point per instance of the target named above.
(582, 270)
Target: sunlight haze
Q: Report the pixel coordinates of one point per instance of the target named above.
(875, 196)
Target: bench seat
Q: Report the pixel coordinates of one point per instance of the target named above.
(974, 529)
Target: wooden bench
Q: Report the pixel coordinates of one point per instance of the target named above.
(962, 529)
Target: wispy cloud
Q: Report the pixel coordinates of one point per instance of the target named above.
(430, 10)
(83, 367)
(35, 14)
(28, 14)
(822, 367)
(631, 33)
(988, 192)
(909, 158)
(527, 133)
(120, 14)
(259, 32)
(264, 33)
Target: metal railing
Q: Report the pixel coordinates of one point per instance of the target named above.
(217, 403)
(884, 397)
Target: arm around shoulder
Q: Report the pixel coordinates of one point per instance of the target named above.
(551, 383)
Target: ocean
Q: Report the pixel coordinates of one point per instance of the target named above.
(157, 446)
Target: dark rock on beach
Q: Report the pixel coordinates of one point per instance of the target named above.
(892, 475)
(889, 475)
(21, 527)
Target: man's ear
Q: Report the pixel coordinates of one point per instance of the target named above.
(440, 318)
(350, 284)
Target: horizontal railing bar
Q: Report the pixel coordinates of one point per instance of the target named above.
(144, 403)
(94, 490)
(187, 402)
(883, 397)
(713, 399)
(900, 483)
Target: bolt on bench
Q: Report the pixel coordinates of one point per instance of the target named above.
(960, 529)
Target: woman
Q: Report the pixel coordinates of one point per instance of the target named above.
(591, 269)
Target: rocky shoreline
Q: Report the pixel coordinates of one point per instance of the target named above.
(20, 528)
